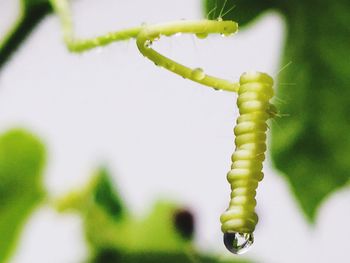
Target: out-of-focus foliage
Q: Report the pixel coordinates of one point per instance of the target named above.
(311, 146)
(112, 256)
(22, 157)
(105, 197)
(30, 14)
(114, 235)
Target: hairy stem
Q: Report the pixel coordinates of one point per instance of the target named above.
(61, 8)
(145, 35)
(153, 32)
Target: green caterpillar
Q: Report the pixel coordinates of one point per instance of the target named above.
(240, 219)
(254, 92)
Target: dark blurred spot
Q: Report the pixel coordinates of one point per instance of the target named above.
(107, 255)
(184, 223)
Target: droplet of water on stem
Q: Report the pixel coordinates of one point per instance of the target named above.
(156, 37)
(198, 74)
(148, 44)
(226, 34)
(202, 35)
(238, 243)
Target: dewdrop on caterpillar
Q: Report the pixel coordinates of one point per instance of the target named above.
(239, 220)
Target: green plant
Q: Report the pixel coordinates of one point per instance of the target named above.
(255, 90)
(310, 147)
(112, 233)
(22, 158)
(115, 235)
(31, 12)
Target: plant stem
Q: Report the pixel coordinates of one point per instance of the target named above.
(145, 35)
(28, 18)
(201, 28)
(62, 9)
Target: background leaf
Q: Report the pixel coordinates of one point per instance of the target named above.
(114, 235)
(311, 147)
(22, 158)
(111, 256)
(106, 228)
(241, 11)
(31, 13)
(106, 197)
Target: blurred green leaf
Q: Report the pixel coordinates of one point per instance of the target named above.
(164, 235)
(97, 203)
(241, 11)
(34, 2)
(112, 256)
(22, 159)
(105, 196)
(311, 146)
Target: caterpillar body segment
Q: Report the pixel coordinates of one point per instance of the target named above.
(254, 94)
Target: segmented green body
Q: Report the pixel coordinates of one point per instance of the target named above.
(254, 94)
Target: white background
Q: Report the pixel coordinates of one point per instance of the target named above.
(160, 135)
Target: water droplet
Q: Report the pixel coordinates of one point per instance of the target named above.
(155, 37)
(220, 19)
(198, 74)
(238, 243)
(148, 44)
(226, 34)
(202, 35)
